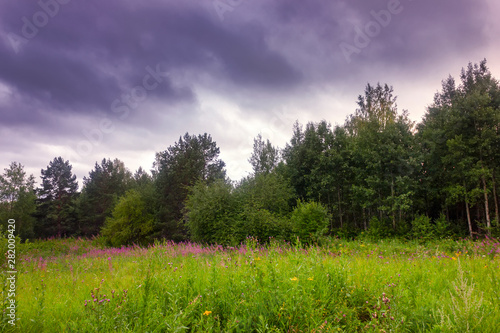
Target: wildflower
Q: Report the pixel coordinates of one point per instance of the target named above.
(294, 279)
(310, 279)
(206, 313)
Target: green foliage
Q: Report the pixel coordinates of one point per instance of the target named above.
(378, 229)
(376, 170)
(346, 286)
(191, 159)
(422, 228)
(459, 136)
(5, 235)
(309, 220)
(131, 222)
(303, 156)
(17, 200)
(465, 311)
(442, 227)
(258, 207)
(210, 212)
(56, 210)
(271, 192)
(263, 225)
(101, 189)
(264, 157)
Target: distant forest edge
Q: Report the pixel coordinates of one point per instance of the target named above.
(378, 175)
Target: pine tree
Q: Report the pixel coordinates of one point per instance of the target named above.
(191, 159)
(56, 209)
(106, 183)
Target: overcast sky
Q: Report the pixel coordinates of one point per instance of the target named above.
(124, 79)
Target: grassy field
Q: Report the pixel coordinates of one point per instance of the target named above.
(390, 286)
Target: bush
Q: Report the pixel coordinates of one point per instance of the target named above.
(347, 233)
(131, 221)
(378, 229)
(257, 207)
(211, 213)
(422, 228)
(262, 224)
(309, 221)
(442, 227)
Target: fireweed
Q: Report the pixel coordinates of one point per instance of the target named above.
(343, 285)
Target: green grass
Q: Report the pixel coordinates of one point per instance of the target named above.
(387, 286)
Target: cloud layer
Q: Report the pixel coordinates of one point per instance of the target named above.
(94, 79)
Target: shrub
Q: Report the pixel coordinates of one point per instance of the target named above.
(422, 228)
(262, 224)
(210, 213)
(131, 222)
(378, 229)
(465, 312)
(309, 221)
(442, 227)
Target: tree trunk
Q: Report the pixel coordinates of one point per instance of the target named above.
(380, 212)
(468, 217)
(364, 219)
(468, 211)
(495, 200)
(340, 209)
(486, 206)
(392, 206)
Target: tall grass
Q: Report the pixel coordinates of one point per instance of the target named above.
(80, 286)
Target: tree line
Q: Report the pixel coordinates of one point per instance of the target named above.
(379, 175)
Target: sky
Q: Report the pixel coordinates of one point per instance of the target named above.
(87, 80)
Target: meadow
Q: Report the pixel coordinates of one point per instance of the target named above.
(77, 285)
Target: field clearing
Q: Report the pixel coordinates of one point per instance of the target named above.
(78, 286)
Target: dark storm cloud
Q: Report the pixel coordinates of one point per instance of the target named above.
(90, 53)
(421, 32)
(83, 64)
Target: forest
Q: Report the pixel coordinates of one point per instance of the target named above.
(379, 175)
